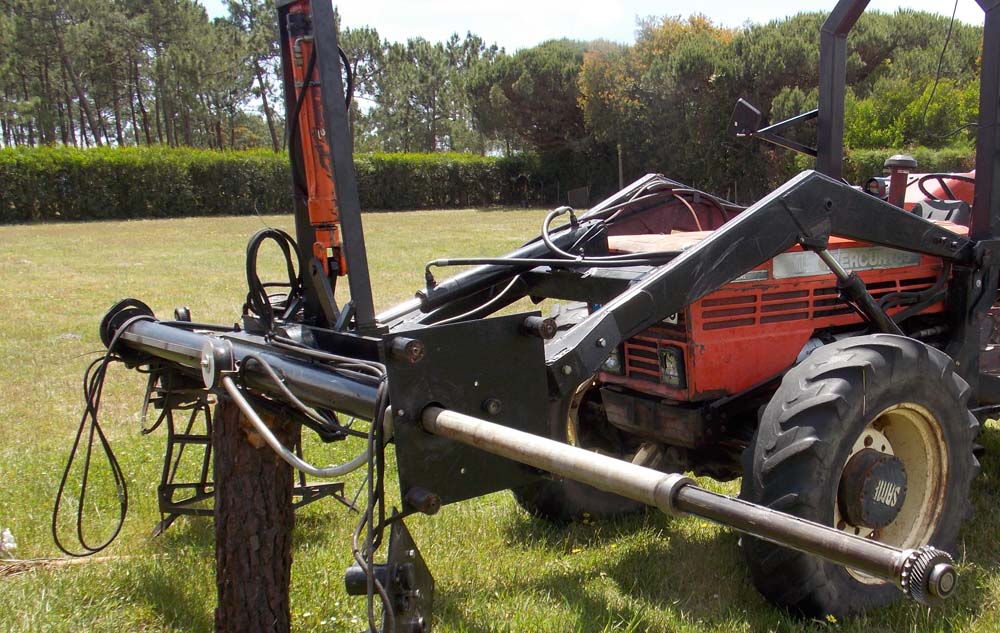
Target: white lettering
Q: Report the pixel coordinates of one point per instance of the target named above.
(806, 264)
(887, 493)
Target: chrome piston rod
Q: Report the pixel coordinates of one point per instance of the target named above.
(924, 574)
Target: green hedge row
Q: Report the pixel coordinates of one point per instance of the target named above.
(441, 180)
(70, 184)
(46, 184)
(862, 164)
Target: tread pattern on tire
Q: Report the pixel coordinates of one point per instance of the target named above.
(562, 501)
(795, 445)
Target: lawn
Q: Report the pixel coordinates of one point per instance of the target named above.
(496, 568)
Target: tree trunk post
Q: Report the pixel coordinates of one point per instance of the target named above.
(253, 524)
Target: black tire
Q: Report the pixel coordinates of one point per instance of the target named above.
(805, 436)
(563, 501)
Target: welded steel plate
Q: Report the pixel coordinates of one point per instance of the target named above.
(489, 369)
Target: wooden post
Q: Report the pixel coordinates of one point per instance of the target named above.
(253, 524)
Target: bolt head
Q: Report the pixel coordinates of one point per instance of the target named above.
(492, 406)
(942, 580)
(567, 370)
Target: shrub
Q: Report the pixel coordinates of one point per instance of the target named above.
(62, 183)
(59, 183)
(862, 164)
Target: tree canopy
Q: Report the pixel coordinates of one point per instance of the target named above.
(142, 72)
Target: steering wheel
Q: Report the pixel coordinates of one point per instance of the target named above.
(941, 179)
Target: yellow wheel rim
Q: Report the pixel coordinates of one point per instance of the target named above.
(913, 434)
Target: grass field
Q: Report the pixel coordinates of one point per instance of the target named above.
(496, 569)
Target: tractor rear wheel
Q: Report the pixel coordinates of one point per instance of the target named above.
(580, 422)
(872, 435)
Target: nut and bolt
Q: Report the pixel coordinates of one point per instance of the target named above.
(544, 328)
(408, 350)
(492, 406)
(423, 500)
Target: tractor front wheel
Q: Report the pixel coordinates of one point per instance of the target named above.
(871, 435)
(580, 422)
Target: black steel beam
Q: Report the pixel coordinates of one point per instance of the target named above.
(460, 287)
(338, 134)
(811, 206)
(832, 85)
(986, 208)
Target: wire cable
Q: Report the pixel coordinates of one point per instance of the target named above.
(547, 239)
(259, 302)
(937, 79)
(93, 390)
(280, 449)
(345, 63)
(486, 306)
(300, 99)
(697, 222)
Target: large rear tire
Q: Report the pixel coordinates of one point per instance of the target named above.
(882, 393)
(579, 422)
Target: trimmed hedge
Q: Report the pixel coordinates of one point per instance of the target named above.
(441, 180)
(862, 164)
(57, 183)
(52, 183)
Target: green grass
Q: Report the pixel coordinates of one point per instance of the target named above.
(496, 569)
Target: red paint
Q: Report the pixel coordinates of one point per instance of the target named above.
(317, 158)
(747, 332)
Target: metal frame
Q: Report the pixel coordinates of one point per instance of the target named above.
(833, 84)
(337, 130)
(986, 209)
(807, 210)
(469, 369)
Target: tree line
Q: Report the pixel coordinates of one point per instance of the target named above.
(136, 72)
(148, 72)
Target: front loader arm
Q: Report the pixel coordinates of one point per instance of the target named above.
(808, 209)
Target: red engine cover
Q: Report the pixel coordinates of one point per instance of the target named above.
(754, 328)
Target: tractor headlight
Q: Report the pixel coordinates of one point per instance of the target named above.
(672, 366)
(877, 186)
(613, 363)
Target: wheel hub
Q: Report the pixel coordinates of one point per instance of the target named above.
(872, 489)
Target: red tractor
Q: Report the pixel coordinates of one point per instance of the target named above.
(830, 344)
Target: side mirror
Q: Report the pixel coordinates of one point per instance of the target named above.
(746, 119)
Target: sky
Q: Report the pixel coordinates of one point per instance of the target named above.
(515, 24)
